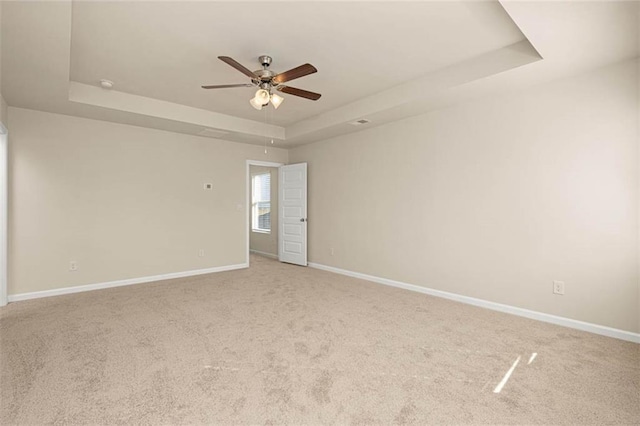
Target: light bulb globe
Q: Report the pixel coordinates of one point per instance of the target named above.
(276, 100)
(256, 104)
(262, 97)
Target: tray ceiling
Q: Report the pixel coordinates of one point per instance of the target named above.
(382, 61)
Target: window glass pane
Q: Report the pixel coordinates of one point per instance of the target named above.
(264, 215)
(261, 202)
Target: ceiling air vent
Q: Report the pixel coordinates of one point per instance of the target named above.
(213, 133)
(360, 122)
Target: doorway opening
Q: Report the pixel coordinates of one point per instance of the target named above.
(262, 209)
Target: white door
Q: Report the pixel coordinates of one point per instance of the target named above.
(293, 214)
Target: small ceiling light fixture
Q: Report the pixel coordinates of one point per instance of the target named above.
(106, 84)
(360, 122)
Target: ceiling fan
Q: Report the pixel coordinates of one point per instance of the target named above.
(267, 80)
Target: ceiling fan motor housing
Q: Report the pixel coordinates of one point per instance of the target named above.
(264, 75)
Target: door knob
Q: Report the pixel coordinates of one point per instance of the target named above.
(302, 219)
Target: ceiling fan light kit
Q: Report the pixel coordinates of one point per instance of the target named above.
(263, 98)
(267, 80)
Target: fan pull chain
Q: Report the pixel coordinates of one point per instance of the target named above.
(266, 137)
(271, 114)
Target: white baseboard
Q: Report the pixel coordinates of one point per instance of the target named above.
(540, 316)
(262, 253)
(120, 283)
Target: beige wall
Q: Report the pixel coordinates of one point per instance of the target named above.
(494, 199)
(260, 241)
(4, 112)
(122, 201)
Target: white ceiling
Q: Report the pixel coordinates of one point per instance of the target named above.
(379, 60)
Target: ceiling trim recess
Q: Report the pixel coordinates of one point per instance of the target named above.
(416, 92)
(429, 92)
(418, 96)
(605, 33)
(113, 99)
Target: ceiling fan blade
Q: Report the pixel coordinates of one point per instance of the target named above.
(294, 73)
(299, 92)
(225, 86)
(237, 65)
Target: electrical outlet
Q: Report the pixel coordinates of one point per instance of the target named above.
(558, 287)
(73, 265)
(201, 253)
(207, 186)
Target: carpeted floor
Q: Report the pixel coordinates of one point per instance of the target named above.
(281, 344)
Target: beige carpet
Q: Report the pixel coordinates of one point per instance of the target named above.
(280, 344)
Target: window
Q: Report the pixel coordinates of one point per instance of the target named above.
(261, 203)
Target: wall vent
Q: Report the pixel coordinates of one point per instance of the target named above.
(360, 122)
(212, 133)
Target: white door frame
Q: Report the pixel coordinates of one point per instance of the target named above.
(4, 212)
(247, 222)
